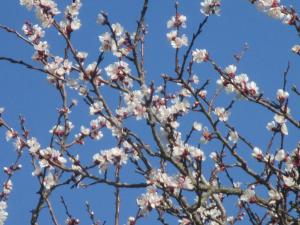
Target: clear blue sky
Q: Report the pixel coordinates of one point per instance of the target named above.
(28, 93)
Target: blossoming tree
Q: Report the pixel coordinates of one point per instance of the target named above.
(168, 138)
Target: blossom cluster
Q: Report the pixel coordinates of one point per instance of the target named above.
(276, 11)
(291, 162)
(175, 184)
(71, 21)
(176, 22)
(150, 200)
(135, 105)
(45, 10)
(61, 130)
(33, 32)
(95, 128)
(117, 41)
(58, 67)
(278, 124)
(115, 156)
(237, 83)
(119, 71)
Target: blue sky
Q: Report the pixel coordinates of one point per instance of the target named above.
(28, 93)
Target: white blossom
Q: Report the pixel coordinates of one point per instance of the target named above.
(118, 70)
(230, 219)
(271, 126)
(73, 8)
(230, 70)
(34, 145)
(252, 88)
(19, 143)
(33, 32)
(115, 156)
(49, 181)
(279, 119)
(221, 113)
(107, 43)
(280, 155)
(27, 3)
(296, 49)
(85, 131)
(197, 126)
(248, 195)
(233, 136)
(209, 7)
(42, 50)
(200, 55)
(10, 134)
(202, 93)
(131, 220)
(206, 136)
(61, 130)
(194, 79)
(96, 107)
(288, 181)
(7, 187)
(50, 155)
(274, 195)
(257, 153)
(46, 16)
(264, 4)
(213, 156)
(117, 29)
(149, 200)
(75, 163)
(3, 213)
(275, 12)
(282, 95)
(177, 21)
(82, 55)
(284, 129)
(101, 19)
(177, 42)
(75, 24)
(197, 154)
